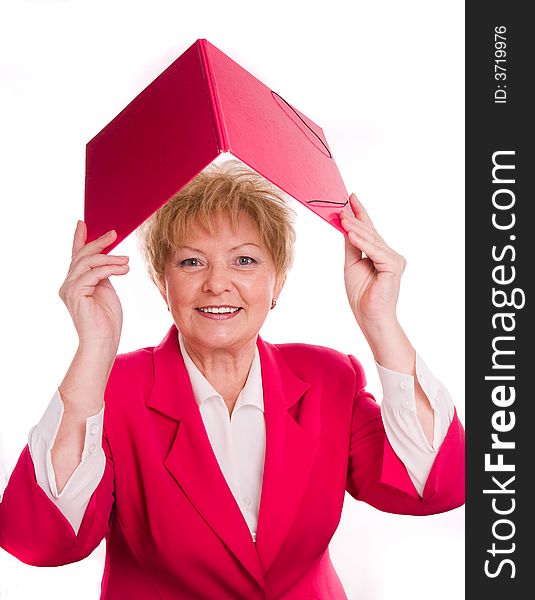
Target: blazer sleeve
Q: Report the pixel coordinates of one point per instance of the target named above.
(34, 530)
(377, 476)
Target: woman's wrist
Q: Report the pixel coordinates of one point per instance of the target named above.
(377, 331)
(82, 388)
(389, 344)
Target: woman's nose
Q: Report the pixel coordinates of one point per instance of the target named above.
(218, 279)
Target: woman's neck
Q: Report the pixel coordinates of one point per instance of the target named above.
(226, 369)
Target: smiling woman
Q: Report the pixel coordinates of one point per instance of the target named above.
(219, 251)
(219, 468)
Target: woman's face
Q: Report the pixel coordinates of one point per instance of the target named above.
(231, 271)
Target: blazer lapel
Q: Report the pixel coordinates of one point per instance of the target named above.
(292, 436)
(191, 460)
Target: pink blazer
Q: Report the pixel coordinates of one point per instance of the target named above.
(172, 526)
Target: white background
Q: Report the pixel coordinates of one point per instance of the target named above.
(384, 79)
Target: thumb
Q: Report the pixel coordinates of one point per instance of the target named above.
(353, 254)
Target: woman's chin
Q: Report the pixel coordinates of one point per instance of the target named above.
(217, 334)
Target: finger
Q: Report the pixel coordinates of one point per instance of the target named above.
(86, 283)
(358, 210)
(381, 255)
(84, 263)
(96, 246)
(352, 252)
(353, 224)
(80, 235)
(375, 247)
(349, 222)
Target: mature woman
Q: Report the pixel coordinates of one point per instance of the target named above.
(217, 468)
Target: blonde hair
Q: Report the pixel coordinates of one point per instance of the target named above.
(227, 188)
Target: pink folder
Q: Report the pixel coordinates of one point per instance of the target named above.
(202, 105)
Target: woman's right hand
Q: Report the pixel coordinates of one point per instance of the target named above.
(88, 294)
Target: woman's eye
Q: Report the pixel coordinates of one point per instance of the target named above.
(189, 262)
(245, 260)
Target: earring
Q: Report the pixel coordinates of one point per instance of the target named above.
(273, 302)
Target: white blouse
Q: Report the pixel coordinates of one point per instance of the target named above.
(239, 440)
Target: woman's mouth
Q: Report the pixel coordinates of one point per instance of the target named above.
(219, 313)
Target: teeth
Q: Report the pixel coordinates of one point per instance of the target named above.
(223, 309)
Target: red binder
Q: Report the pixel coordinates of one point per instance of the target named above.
(202, 105)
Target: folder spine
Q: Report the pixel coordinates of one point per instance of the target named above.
(215, 103)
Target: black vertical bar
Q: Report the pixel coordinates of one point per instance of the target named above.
(500, 268)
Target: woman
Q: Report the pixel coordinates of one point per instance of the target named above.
(220, 469)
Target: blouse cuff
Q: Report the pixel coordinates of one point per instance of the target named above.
(402, 426)
(74, 497)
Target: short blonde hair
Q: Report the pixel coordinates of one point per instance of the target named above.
(226, 188)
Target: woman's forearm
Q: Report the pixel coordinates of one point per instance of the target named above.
(392, 350)
(82, 393)
(372, 286)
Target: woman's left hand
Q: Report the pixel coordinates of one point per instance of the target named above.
(372, 282)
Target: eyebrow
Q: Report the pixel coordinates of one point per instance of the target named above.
(235, 247)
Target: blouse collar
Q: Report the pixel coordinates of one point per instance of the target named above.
(251, 392)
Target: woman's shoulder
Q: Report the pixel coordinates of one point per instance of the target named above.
(310, 350)
(134, 358)
(133, 366)
(314, 357)
(313, 362)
